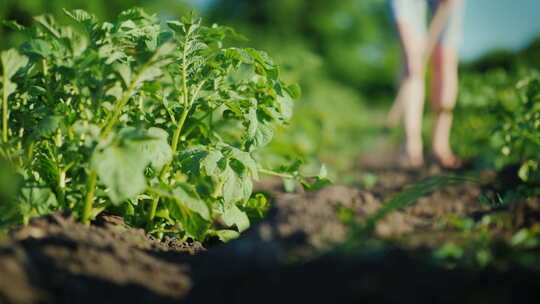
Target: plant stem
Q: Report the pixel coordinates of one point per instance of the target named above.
(30, 152)
(178, 131)
(5, 109)
(153, 209)
(278, 174)
(113, 117)
(197, 122)
(91, 187)
(187, 102)
(175, 139)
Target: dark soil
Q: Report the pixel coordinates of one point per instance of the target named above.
(285, 258)
(56, 260)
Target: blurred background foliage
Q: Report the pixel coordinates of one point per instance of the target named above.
(24, 10)
(353, 37)
(345, 56)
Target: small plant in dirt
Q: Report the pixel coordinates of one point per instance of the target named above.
(155, 121)
(491, 241)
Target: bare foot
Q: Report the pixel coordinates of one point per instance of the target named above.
(447, 160)
(408, 162)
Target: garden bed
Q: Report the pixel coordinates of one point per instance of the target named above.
(286, 257)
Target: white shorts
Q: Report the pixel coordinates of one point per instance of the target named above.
(415, 14)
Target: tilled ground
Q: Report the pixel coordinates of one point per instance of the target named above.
(56, 260)
(284, 258)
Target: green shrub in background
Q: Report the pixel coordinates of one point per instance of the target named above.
(520, 129)
(498, 121)
(353, 38)
(23, 12)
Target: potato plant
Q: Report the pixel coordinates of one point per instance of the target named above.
(509, 134)
(520, 129)
(156, 121)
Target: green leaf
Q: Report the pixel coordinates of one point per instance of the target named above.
(294, 91)
(12, 24)
(176, 26)
(234, 216)
(191, 160)
(111, 54)
(81, 16)
(48, 24)
(166, 48)
(244, 73)
(226, 235)
(9, 87)
(289, 185)
(39, 198)
(253, 123)
(409, 196)
(260, 57)
(186, 196)
(150, 73)
(193, 224)
(520, 237)
(37, 48)
(236, 187)
(124, 70)
(164, 213)
(120, 168)
(210, 163)
(245, 159)
(46, 126)
(263, 135)
(527, 169)
(318, 184)
(156, 150)
(256, 207)
(285, 107)
(12, 61)
(323, 172)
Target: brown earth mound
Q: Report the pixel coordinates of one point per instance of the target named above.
(56, 260)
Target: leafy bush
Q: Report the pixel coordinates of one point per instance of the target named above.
(332, 123)
(23, 12)
(156, 121)
(353, 37)
(509, 133)
(481, 94)
(520, 129)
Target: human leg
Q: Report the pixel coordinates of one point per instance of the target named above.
(412, 92)
(443, 100)
(410, 23)
(445, 88)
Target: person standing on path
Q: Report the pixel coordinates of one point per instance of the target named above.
(410, 17)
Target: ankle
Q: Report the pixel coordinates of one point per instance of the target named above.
(442, 151)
